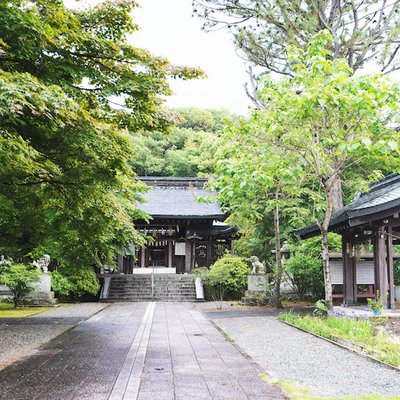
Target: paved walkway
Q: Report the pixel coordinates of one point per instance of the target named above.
(19, 337)
(142, 351)
(289, 354)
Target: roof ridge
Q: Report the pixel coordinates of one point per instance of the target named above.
(385, 181)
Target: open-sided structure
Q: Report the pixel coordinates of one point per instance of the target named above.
(370, 220)
(185, 232)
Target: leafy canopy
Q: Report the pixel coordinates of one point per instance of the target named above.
(66, 184)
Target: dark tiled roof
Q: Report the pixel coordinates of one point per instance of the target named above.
(382, 195)
(176, 198)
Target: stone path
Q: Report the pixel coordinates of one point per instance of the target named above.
(21, 336)
(289, 354)
(138, 351)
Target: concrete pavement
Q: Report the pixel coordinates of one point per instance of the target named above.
(157, 351)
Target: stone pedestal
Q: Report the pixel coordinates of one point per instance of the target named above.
(42, 292)
(256, 289)
(257, 283)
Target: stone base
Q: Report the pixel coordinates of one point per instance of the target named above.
(42, 294)
(257, 283)
(255, 298)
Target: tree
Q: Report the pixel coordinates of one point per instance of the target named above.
(332, 121)
(188, 149)
(19, 278)
(362, 30)
(254, 179)
(66, 185)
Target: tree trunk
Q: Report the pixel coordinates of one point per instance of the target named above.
(325, 244)
(337, 194)
(327, 271)
(278, 278)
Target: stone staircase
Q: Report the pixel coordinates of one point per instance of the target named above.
(165, 287)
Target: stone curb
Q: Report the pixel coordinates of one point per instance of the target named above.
(344, 344)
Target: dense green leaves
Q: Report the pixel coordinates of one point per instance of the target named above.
(19, 279)
(187, 150)
(67, 187)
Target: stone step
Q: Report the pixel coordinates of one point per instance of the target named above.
(139, 288)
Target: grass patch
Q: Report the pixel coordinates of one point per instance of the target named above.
(7, 310)
(298, 392)
(362, 332)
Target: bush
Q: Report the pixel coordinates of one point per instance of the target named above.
(75, 284)
(19, 278)
(304, 269)
(396, 268)
(227, 276)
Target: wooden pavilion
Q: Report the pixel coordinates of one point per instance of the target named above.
(185, 232)
(371, 220)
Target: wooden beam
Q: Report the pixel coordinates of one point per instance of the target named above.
(188, 256)
(142, 257)
(390, 273)
(170, 251)
(380, 265)
(349, 273)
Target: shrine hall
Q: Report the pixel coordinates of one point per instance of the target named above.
(371, 222)
(186, 229)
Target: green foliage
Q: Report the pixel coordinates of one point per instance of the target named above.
(75, 282)
(66, 186)
(19, 278)
(60, 284)
(206, 120)
(359, 331)
(396, 270)
(304, 267)
(321, 308)
(228, 275)
(186, 150)
(375, 305)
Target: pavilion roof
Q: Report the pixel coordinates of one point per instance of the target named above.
(177, 198)
(380, 201)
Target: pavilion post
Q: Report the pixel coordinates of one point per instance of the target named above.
(188, 256)
(349, 273)
(380, 265)
(390, 272)
(143, 257)
(170, 252)
(120, 263)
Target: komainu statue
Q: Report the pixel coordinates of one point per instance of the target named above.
(258, 267)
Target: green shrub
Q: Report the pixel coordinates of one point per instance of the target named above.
(304, 269)
(19, 278)
(396, 268)
(75, 283)
(227, 276)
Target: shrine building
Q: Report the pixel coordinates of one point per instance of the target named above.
(370, 228)
(185, 232)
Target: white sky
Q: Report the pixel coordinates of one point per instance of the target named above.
(169, 30)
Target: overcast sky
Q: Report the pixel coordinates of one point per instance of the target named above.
(169, 30)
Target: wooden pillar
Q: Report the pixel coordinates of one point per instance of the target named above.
(380, 265)
(143, 257)
(349, 273)
(390, 273)
(170, 252)
(120, 263)
(188, 256)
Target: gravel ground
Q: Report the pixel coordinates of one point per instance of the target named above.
(22, 337)
(289, 354)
